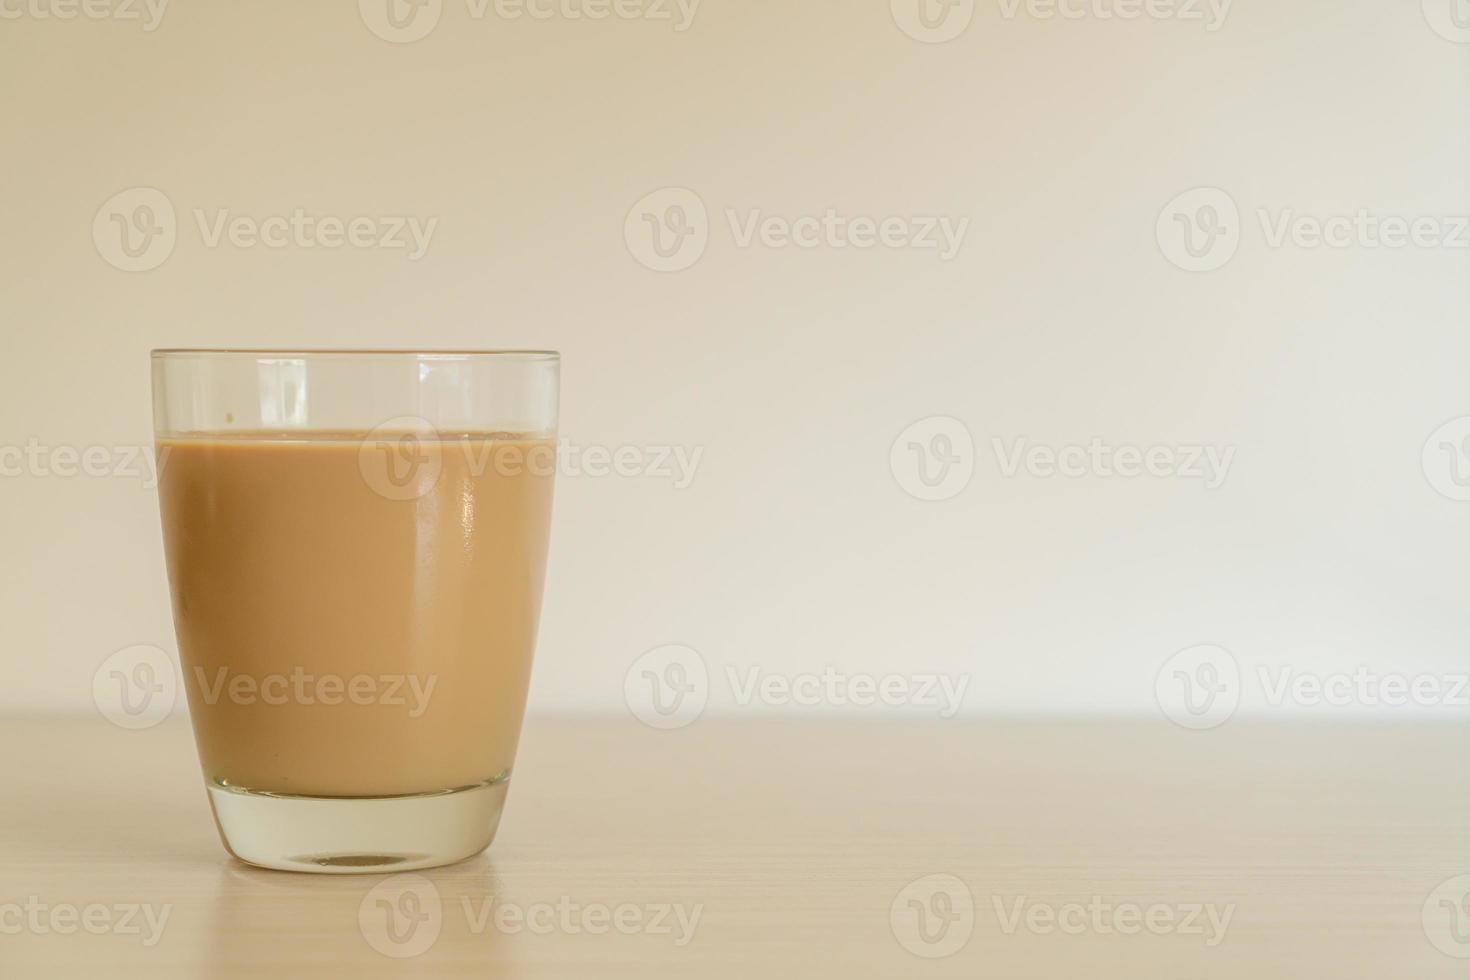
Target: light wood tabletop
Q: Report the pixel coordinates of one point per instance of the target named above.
(1006, 849)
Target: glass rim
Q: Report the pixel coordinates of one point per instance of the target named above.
(167, 352)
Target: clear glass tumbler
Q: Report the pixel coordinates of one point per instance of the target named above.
(356, 544)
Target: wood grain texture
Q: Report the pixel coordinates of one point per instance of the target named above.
(793, 841)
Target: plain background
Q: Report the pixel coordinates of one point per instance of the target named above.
(794, 370)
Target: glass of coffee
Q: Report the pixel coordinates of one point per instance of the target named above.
(356, 543)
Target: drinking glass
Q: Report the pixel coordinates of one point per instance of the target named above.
(356, 543)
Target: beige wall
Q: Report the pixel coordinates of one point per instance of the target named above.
(794, 370)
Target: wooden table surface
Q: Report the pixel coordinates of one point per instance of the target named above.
(1005, 849)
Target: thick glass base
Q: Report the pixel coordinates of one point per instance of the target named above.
(335, 835)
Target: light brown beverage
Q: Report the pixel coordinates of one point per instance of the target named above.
(349, 627)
